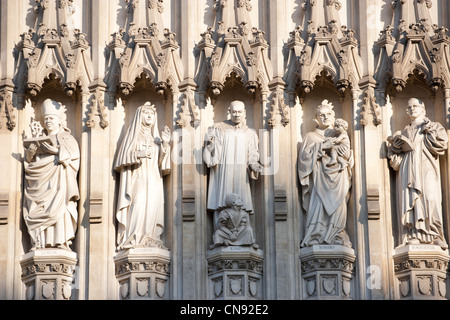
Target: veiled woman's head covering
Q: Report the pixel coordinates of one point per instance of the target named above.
(126, 155)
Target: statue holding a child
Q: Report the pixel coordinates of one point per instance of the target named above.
(325, 165)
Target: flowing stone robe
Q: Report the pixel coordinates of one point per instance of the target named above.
(140, 204)
(418, 182)
(325, 192)
(51, 193)
(235, 149)
(233, 228)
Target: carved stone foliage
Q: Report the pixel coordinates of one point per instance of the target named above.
(143, 274)
(144, 47)
(315, 50)
(97, 108)
(235, 272)
(413, 47)
(49, 274)
(6, 110)
(233, 46)
(55, 48)
(278, 107)
(327, 271)
(370, 109)
(190, 112)
(421, 271)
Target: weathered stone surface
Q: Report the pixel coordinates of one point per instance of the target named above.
(104, 59)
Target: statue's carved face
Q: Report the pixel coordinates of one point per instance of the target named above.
(239, 202)
(325, 117)
(237, 112)
(52, 122)
(148, 117)
(415, 109)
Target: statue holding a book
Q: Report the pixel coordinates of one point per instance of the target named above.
(414, 154)
(52, 160)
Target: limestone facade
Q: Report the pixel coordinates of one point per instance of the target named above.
(102, 59)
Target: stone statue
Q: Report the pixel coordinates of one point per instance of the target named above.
(342, 138)
(231, 153)
(414, 153)
(51, 187)
(325, 183)
(233, 225)
(142, 161)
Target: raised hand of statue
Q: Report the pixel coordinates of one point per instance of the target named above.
(210, 142)
(47, 148)
(256, 167)
(427, 127)
(327, 144)
(31, 152)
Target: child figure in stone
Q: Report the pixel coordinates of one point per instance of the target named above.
(340, 126)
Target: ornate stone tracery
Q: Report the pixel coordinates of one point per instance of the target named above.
(144, 47)
(316, 50)
(280, 58)
(53, 50)
(415, 48)
(233, 47)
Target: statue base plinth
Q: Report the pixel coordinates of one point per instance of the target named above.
(235, 273)
(327, 272)
(421, 272)
(143, 273)
(48, 274)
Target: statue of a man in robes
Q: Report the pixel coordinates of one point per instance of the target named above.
(142, 161)
(51, 187)
(325, 183)
(232, 155)
(414, 153)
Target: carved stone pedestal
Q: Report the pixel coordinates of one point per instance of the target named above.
(235, 273)
(421, 272)
(143, 273)
(327, 272)
(49, 274)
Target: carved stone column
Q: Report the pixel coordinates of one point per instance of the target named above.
(235, 273)
(421, 272)
(143, 273)
(327, 272)
(48, 274)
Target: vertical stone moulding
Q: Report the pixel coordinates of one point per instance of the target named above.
(48, 274)
(327, 272)
(235, 273)
(143, 274)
